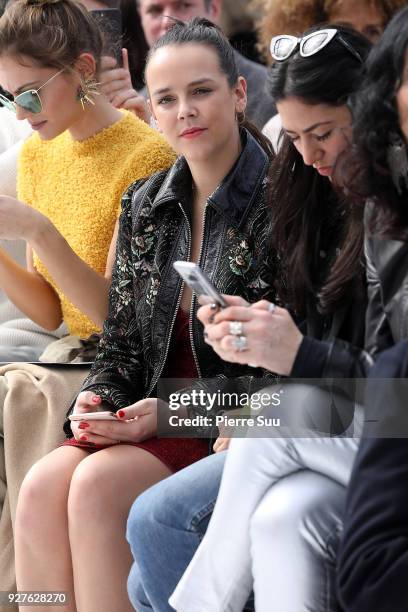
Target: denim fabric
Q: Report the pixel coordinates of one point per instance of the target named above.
(165, 527)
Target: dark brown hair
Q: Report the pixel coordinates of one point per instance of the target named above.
(376, 122)
(318, 235)
(53, 33)
(203, 32)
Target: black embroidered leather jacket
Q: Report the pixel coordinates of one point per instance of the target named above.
(146, 291)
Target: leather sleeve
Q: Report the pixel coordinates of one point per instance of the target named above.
(378, 332)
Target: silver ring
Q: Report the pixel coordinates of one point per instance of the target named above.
(240, 343)
(253, 365)
(272, 307)
(235, 328)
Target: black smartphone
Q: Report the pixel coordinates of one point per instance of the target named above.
(110, 22)
(198, 281)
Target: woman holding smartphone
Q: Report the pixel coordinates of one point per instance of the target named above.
(209, 208)
(72, 173)
(287, 477)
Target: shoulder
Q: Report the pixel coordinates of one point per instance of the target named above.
(148, 151)
(142, 192)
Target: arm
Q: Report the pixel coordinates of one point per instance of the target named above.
(84, 287)
(87, 289)
(378, 332)
(116, 373)
(30, 292)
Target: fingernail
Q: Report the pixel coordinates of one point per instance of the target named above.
(121, 414)
(83, 438)
(83, 425)
(96, 399)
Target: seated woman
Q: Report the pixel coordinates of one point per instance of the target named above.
(66, 253)
(373, 560)
(72, 174)
(210, 207)
(319, 240)
(262, 542)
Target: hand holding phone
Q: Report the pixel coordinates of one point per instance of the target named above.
(199, 282)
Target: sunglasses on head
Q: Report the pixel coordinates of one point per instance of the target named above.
(28, 100)
(284, 45)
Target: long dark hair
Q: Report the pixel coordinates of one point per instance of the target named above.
(306, 210)
(376, 121)
(203, 32)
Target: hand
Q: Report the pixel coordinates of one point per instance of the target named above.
(206, 313)
(221, 444)
(18, 220)
(273, 339)
(135, 423)
(116, 85)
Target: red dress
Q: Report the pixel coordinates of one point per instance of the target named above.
(175, 453)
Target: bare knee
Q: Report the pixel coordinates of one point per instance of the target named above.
(89, 495)
(43, 490)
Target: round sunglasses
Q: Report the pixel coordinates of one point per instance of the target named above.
(28, 100)
(284, 45)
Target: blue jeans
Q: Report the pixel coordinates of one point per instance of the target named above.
(165, 527)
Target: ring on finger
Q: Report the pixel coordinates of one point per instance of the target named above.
(272, 307)
(240, 343)
(236, 328)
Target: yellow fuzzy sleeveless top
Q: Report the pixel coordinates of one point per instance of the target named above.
(78, 185)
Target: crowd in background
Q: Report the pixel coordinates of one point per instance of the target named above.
(267, 141)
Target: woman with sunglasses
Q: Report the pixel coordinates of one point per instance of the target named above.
(69, 189)
(208, 207)
(254, 534)
(369, 17)
(72, 174)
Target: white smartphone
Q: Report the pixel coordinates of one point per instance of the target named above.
(199, 282)
(104, 415)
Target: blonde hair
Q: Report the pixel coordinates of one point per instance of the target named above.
(53, 33)
(296, 16)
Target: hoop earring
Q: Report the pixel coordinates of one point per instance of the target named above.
(397, 160)
(87, 90)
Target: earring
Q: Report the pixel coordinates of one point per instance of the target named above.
(240, 117)
(87, 90)
(397, 160)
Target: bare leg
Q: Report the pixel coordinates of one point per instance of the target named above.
(103, 489)
(43, 556)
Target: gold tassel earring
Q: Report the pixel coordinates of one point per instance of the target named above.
(87, 90)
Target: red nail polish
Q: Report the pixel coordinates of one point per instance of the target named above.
(83, 438)
(121, 414)
(83, 425)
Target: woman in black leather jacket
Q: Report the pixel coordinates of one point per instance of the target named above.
(373, 559)
(210, 207)
(320, 277)
(313, 511)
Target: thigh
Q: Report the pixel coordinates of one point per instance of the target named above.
(50, 478)
(297, 525)
(165, 527)
(116, 474)
(186, 499)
